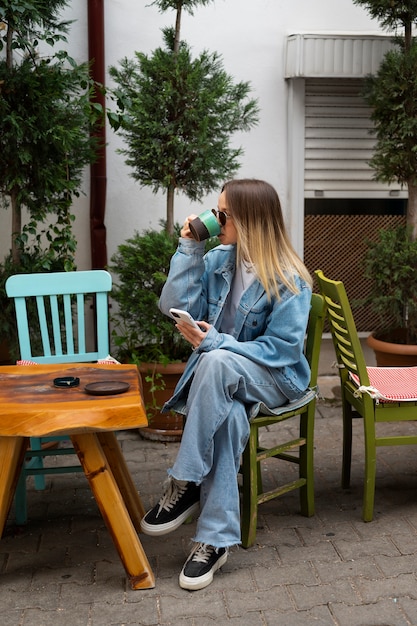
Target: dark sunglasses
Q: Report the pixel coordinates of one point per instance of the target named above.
(222, 216)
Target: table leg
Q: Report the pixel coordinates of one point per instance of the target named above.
(12, 454)
(115, 513)
(122, 476)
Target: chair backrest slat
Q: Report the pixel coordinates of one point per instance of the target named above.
(43, 327)
(68, 321)
(102, 307)
(59, 315)
(314, 335)
(56, 324)
(23, 327)
(81, 322)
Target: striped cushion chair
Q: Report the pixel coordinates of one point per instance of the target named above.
(377, 394)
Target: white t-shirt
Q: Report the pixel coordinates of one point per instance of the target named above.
(243, 278)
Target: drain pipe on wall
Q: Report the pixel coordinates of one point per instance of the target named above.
(98, 173)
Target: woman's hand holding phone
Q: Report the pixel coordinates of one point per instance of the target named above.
(192, 331)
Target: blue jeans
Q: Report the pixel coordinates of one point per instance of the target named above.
(215, 434)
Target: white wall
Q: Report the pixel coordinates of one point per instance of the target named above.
(251, 37)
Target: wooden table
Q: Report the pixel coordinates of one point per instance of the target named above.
(30, 405)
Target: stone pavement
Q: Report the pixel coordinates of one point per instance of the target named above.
(331, 569)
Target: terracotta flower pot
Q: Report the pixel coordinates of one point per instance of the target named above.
(388, 353)
(162, 426)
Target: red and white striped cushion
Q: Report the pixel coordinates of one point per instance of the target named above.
(391, 384)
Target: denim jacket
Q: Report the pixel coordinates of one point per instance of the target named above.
(269, 332)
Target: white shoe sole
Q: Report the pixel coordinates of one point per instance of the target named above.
(193, 584)
(155, 530)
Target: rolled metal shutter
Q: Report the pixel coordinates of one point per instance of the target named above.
(338, 140)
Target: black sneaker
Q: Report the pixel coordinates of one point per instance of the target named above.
(179, 501)
(200, 566)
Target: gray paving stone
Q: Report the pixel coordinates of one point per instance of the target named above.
(354, 549)
(143, 612)
(383, 613)
(340, 570)
(324, 551)
(409, 608)
(268, 577)
(76, 616)
(319, 616)
(12, 618)
(210, 603)
(393, 566)
(307, 597)
(393, 588)
(277, 598)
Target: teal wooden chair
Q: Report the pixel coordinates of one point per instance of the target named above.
(360, 396)
(52, 328)
(254, 454)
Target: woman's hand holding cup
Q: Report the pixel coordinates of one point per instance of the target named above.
(185, 231)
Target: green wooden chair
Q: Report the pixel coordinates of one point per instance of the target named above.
(55, 305)
(360, 396)
(253, 455)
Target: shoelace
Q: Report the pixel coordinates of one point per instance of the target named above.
(202, 553)
(171, 496)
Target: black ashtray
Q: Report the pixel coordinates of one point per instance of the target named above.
(66, 381)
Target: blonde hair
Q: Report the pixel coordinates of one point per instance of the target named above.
(262, 238)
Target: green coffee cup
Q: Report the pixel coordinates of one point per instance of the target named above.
(205, 226)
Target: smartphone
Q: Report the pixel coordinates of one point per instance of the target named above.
(184, 316)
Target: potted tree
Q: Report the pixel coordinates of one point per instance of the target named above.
(392, 94)
(176, 115)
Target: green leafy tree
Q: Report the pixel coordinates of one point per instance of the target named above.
(392, 94)
(177, 115)
(45, 122)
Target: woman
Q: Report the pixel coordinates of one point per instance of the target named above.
(251, 297)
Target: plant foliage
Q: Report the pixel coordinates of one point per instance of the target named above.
(392, 94)
(45, 124)
(390, 263)
(141, 331)
(30, 262)
(390, 13)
